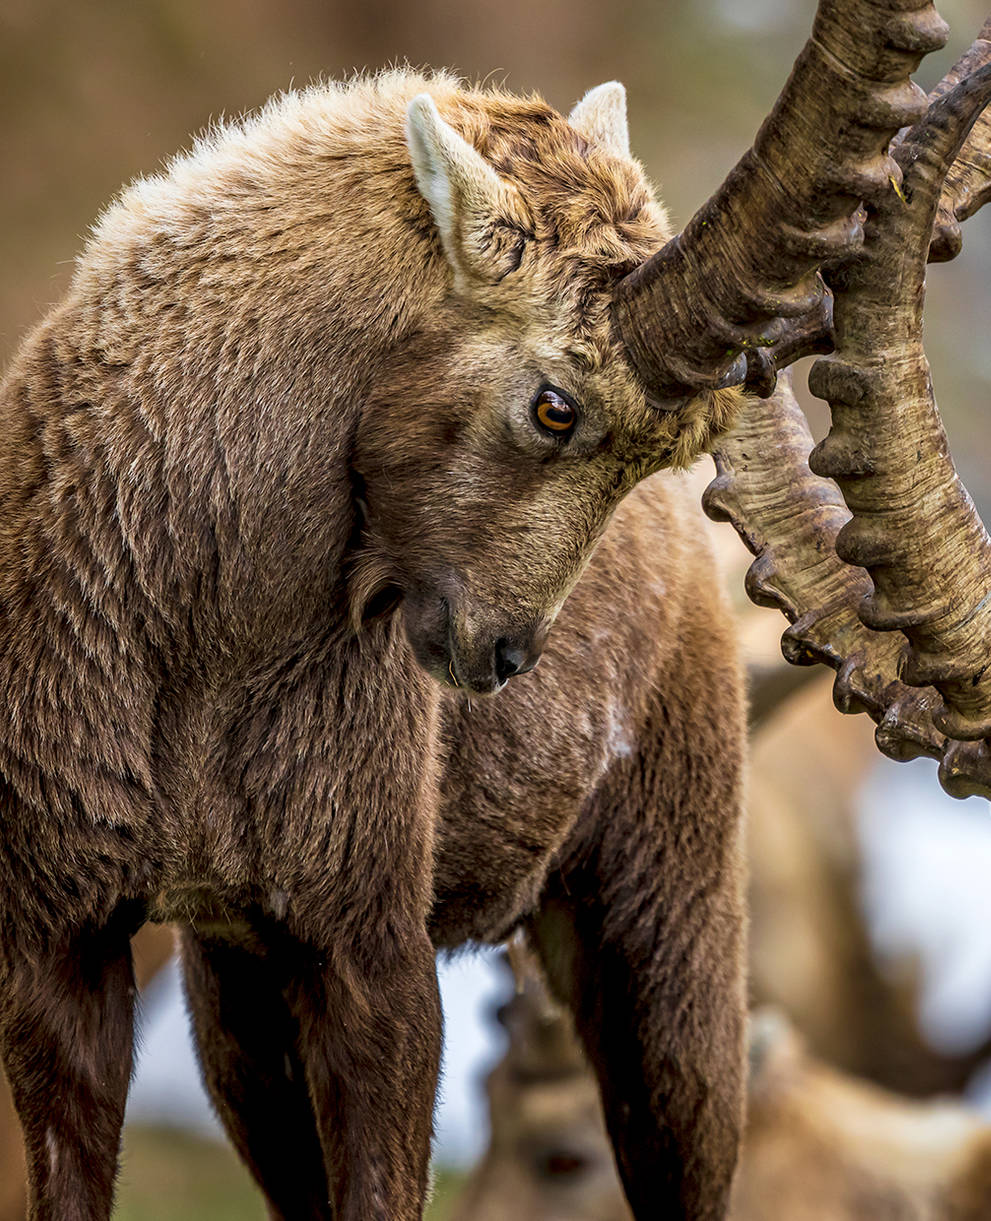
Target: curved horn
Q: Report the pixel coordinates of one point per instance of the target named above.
(789, 519)
(966, 190)
(968, 180)
(913, 526)
(748, 259)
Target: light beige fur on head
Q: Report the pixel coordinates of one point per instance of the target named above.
(601, 118)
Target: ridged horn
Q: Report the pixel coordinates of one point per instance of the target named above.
(966, 190)
(789, 519)
(913, 525)
(968, 180)
(747, 262)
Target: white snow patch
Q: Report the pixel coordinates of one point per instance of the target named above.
(927, 865)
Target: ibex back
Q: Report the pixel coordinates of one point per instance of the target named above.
(305, 466)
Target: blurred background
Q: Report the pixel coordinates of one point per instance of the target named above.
(870, 874)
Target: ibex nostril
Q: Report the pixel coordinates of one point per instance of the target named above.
(510, 659)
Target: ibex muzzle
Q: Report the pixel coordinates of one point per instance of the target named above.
(475, 647)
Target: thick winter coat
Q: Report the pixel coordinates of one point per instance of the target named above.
(302, 470)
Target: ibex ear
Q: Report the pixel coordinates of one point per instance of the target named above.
(601, 118)
(481, 219)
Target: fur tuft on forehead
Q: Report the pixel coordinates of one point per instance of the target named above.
(587, 202)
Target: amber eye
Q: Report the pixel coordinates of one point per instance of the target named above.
(554, 412)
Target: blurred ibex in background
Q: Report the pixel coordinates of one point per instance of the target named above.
(819, 1145)
(300, 383)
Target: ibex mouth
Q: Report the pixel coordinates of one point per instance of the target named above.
(454, 679)
(474, 653)
(474, 675)
(488, 682)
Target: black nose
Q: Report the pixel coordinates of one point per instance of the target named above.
(511, 659)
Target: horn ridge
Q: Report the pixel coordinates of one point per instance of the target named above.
(913, 525)
(788, 517)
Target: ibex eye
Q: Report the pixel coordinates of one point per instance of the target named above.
(554, 413)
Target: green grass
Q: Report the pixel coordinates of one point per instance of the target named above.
(170, 1175)
(447, 1187)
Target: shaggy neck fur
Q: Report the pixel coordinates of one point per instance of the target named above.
(205, 377)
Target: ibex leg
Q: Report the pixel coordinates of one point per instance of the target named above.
(641, 932)
(66, 1028)
(370, 1033)
(247, 1039)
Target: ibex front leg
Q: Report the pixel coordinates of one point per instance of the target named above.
(641, 933)
(370, 1035)
(248, 1045)
(65, 1039)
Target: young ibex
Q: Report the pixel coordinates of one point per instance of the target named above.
(305, 466)
(335, 408)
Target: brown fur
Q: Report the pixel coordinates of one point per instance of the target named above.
(151, 948)
(267, 412)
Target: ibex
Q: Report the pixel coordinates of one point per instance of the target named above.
(303, 469)
(820, 1144)
(307, 462)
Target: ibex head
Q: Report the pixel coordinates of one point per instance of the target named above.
(563, 280)
(510, 426)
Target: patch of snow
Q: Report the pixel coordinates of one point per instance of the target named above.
(927, 890)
